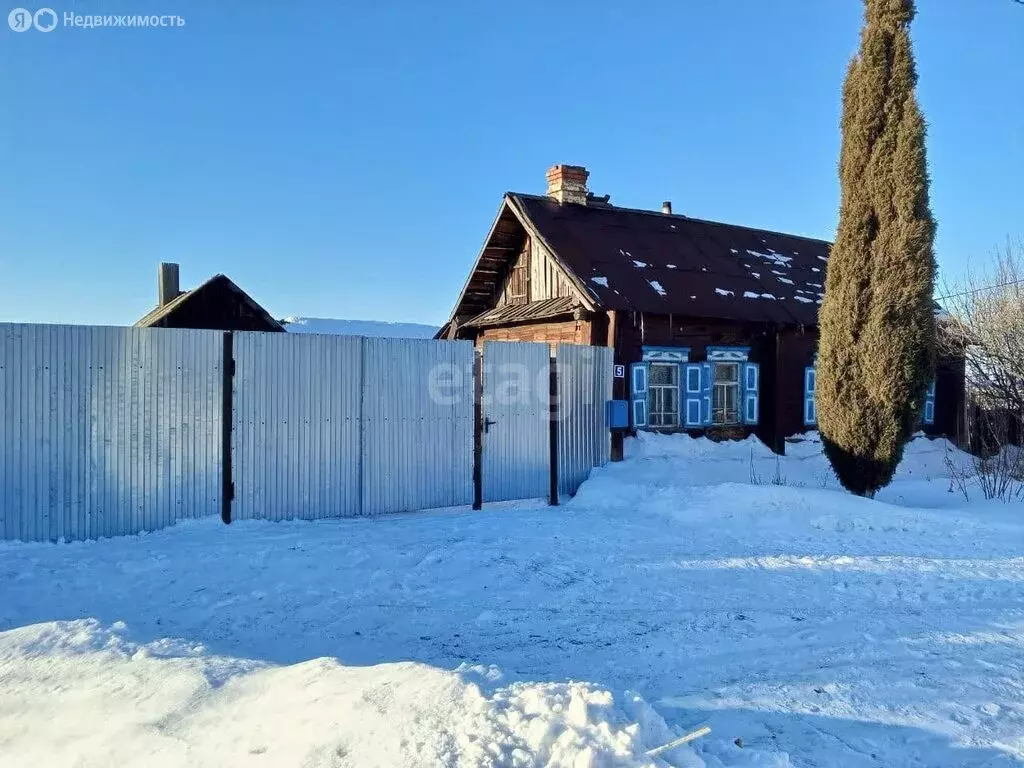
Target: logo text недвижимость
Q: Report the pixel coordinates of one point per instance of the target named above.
(47, 20)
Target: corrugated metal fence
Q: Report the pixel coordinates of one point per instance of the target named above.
(112, 431)
(295, 432)
(584, 386)
(417, 421)
(338, 426)
(107, 431)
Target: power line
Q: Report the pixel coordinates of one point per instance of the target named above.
(984, 287)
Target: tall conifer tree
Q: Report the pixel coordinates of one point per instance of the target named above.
(876, 352)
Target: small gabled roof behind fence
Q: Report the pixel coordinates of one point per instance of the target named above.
(213, 289)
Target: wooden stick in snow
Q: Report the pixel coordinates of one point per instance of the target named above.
(704, 730)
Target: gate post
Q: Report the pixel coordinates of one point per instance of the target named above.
(478, 431)
(553, 423)
(227, 490)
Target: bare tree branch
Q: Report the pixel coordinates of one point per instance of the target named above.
(985, 323)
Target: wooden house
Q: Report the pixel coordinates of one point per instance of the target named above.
(218, 304)
(714, 325)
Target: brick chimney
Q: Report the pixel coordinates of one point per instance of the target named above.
(568, 183)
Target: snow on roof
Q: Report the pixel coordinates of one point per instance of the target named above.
(632, 247)
(751, 295)
(657, 286)
(375, 328)
(724, 292)
(804, 299)
(600, 281)
(773, 256)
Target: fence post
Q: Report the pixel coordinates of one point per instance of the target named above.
(362, 423)
(478, 431)
(553, 424)
(227, 492)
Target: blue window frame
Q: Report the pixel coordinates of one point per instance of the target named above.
(928, 417)
(638, 373)
(810, 411)
(751, 392)
(733, 387)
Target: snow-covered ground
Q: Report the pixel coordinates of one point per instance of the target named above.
(677, 588)
(359, 328)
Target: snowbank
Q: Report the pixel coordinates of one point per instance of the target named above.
(699, 461)
(172, 703)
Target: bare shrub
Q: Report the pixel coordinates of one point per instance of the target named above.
(960, 477)
(778, 478)
(755, 476)
(998, 476)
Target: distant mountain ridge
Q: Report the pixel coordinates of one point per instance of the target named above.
(377, 328)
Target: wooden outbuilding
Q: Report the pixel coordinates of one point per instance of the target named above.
(218, 304)
(714, 325)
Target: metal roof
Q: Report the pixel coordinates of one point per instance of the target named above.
(650, 261)
(521, 313)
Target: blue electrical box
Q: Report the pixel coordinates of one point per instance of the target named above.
(617, 414)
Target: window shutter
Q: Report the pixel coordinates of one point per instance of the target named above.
(929, 404)
(692, 395)
(810, 413)
(705, 393)
(638, 393)
(751, 388)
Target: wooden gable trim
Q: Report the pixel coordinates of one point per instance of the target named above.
(476, 264)
(507, 203)
(571, 277)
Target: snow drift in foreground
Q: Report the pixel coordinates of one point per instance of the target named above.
(716, 582)
(376, 328)
(172, 703)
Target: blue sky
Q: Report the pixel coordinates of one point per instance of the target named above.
(345, 159)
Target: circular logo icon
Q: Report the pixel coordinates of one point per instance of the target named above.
(45, 19)
(20, 19)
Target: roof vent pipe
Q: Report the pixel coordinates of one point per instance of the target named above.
(666, 207)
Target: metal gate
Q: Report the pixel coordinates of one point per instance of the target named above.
(516, 441)
(295, 436)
